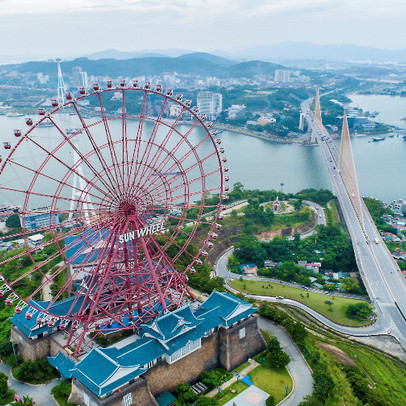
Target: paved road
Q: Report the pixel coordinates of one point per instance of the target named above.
(40, 393)
(298, 367)
(221, 270)
(381, 326)
(321, 218)
(382, 277)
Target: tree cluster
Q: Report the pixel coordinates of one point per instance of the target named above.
(331, 247)
(184, 394)
(274, 355)
(360, 311)
(36, 372)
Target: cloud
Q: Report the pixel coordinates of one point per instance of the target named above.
(200, 9)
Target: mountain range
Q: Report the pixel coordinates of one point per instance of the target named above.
(194, 63)
(273, 52)
(309, 50)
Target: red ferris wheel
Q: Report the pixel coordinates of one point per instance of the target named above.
(120, 193)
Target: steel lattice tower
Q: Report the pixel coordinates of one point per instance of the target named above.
(61, 85)
(317, 113)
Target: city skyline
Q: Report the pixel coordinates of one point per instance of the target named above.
(74, 28)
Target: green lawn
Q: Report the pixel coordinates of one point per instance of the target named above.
(336, 312)
(226, 395)
(272, 381)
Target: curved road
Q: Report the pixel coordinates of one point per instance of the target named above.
(298, 368)
(381, 326)
(40, 393)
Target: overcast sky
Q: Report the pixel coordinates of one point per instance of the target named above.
(76, 27)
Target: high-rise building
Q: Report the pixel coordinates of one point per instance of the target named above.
(174, 110)
(40, 219)
(301, 121)
(79, 77)
(210, 104)
(282, 76)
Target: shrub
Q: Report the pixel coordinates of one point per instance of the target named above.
(270, 401)
(184, 394)
(63, 389)
(38, 371)
(215, 377)
(5, 393)
(361, 311)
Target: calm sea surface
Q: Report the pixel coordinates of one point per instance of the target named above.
(381, 166)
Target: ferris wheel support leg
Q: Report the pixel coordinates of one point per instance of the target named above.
(154, 276)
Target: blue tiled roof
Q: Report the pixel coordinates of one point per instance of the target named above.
(171, 325)
(83, 248)
(223, 309)
(164, 335)
(31, 328)
(101, 380)
(64, 365)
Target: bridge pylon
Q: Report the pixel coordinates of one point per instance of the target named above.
(347, 168)
(317, 114)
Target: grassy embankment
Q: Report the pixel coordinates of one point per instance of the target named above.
(380, 380)
(332, 216)
(317, 301)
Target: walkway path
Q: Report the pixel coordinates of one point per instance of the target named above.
(40, 393)
(46, 289)
(253, 364)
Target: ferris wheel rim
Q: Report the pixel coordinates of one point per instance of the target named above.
(198, 120)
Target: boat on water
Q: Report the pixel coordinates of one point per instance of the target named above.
(14, 115)
(376, 139)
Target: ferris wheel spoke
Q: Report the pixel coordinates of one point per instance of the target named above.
(113, 153)
(198, 164)
(124, 136)
(89, 256)
(52, 154)
(37, 230)
(40, 194)
(108, 255)
(111, 187)
(170, 153)
(152, 272)
(57, 181)
(150, 143)
(136, 184)
(39, 266)
(160, 249)
(138, 140)
(159, 192)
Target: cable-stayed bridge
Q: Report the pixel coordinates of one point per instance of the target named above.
(380, 273)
